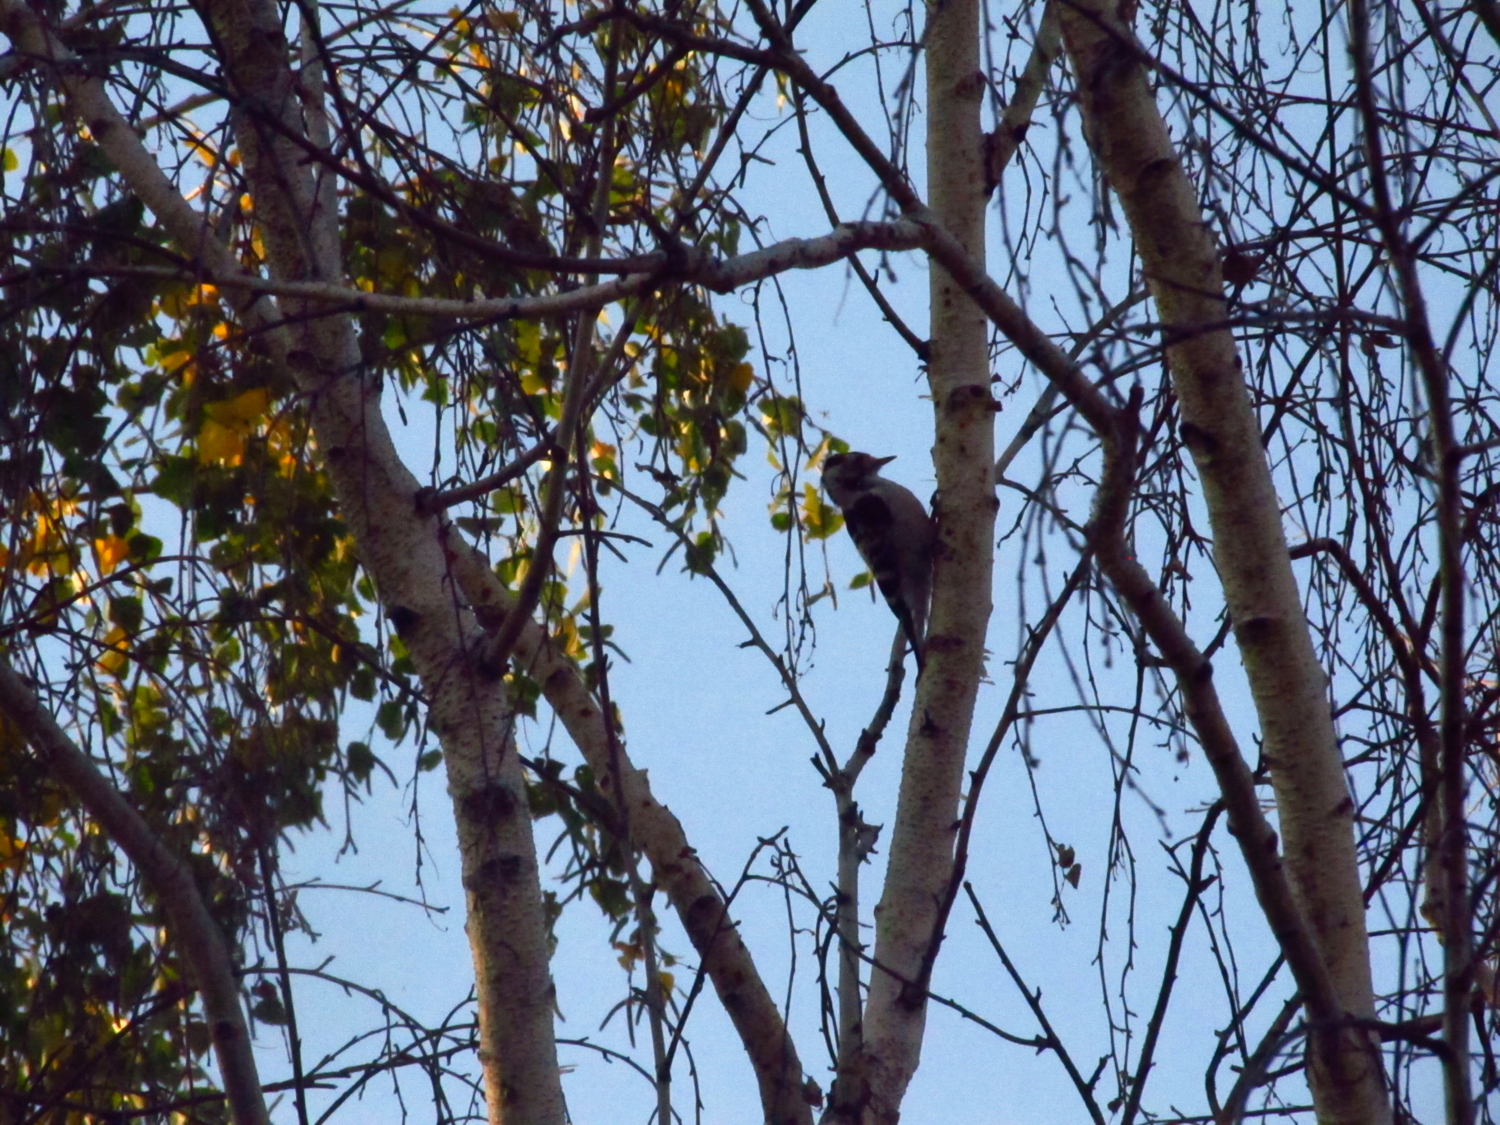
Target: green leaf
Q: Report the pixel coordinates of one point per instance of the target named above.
(819, 518)
(700, 553)
(390, 717)
(360, 760)
(362, 684)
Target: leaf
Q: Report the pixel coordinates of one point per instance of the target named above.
(111, 551)
(127, 612)
(360, 760)
(115, 658)
(146, 548)
(12, 852)
(240, 410)
(819, 518)
(219, 444)
(700, 553)
(782, 416)
(390, 717)
(8, 159)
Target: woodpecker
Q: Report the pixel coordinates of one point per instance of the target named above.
(894, 535)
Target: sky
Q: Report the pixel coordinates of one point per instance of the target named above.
(702, 715)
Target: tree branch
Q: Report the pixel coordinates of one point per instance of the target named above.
(700, 907)
(1453, 840)
(193, 928)
(1084, 1086)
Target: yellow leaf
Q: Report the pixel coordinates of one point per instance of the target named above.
(741, 377)
(175, 359)
(203, 151)
(629, 954)
(821, 520)
(279, 443)
(8, 160)
(114, 660)
(241, 409)
(12, 852)
(48, 549)
(111, 551)
(174, 302)
(220, 445)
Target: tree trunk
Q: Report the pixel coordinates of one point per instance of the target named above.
(1219, 426)
(470, 710)
(921, 849)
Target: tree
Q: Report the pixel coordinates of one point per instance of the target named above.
(244, 239)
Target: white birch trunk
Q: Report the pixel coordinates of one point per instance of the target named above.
(1180, 260)
(470, 711)
(922, 840)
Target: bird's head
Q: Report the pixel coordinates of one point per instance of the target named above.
(852, 471)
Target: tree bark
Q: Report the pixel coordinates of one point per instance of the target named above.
(922, 839)
(470, 709)
(1180, 260)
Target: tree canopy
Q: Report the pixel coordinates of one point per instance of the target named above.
(353, 356)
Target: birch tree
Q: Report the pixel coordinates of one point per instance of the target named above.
(1220, 288)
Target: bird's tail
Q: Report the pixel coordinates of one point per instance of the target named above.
(913, 635)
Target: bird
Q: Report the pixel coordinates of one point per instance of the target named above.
(894, 534)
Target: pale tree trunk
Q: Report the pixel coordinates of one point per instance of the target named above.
(1129, 138)
(418, 563)
(470, 711)
(921, 847)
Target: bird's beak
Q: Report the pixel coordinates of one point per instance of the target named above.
(885, 460)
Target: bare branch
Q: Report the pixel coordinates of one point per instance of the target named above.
(700, 907)
(1453, 841)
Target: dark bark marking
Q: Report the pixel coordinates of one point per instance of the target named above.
(1199, 441)
(490, 804)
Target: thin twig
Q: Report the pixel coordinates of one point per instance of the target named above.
(757, 639)
(1453, 843)
(1084, 1087)
(1196, 885)
(1019, 682)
